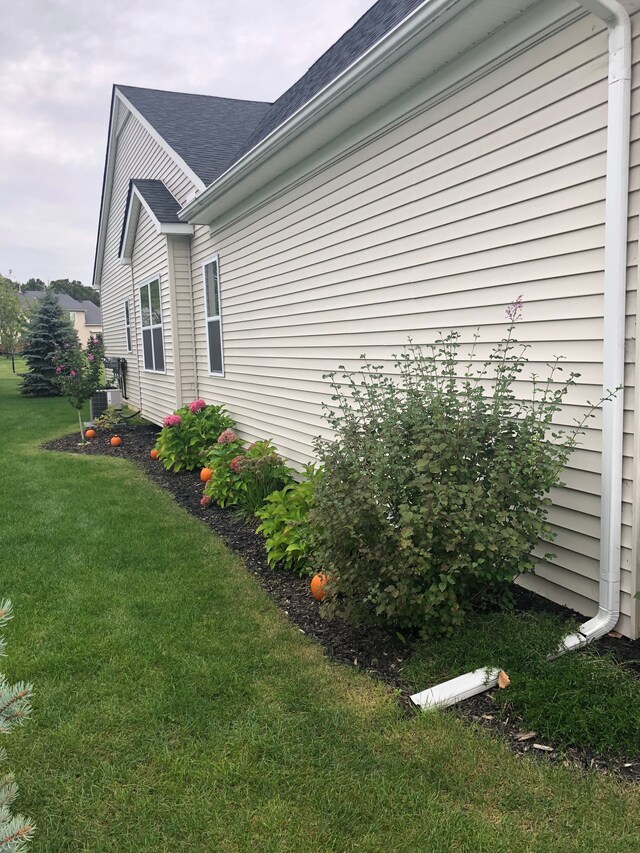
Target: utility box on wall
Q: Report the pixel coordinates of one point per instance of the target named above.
(102, 400)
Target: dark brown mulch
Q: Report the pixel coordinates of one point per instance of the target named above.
(379, 653)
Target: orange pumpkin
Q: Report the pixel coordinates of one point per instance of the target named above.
(154, 454)
(90, 433)
(317, 586)
(206, 474)
(115, 441)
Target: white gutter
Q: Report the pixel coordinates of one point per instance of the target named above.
(615, 16)
(350, 80)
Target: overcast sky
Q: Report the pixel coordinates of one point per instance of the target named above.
(58, 62)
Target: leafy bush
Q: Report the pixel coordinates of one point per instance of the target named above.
(285, 522)
(434, 492)
(109, 419)
(225, 485)
(244, 477)
(188, 433)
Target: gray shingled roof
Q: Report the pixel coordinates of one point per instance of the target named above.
(370, 28)
(92, 313)
(164, 206)
(205, 131)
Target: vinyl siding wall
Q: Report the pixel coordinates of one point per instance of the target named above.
(138, 155)
(435, 220)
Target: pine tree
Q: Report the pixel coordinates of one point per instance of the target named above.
(49, 330)
(15, 830)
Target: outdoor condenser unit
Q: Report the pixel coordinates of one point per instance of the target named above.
(101, 400)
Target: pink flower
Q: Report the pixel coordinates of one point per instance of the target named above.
(58, 369)
(73, 374)
(227, 437)
(236, 464)
(206, 500)
(197, 406)
(172, 420)
(90, 357)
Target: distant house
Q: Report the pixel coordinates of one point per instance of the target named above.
(440, 159)
(85, 316)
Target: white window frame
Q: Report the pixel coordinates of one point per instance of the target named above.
(213, 259)
(153, 326)
(128, 334)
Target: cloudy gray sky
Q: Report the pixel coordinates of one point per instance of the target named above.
(58, 61)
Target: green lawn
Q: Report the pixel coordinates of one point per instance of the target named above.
(177, 709)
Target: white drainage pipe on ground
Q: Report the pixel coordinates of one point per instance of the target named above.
(616, 18)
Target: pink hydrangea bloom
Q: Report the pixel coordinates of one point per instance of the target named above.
(236, 464)
(227, 437)
(205, 501)
(58, 369)
(172, 420)
(73, 373)
(197, 406)
(91, 357)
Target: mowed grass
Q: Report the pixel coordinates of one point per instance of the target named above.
(579, 699)
(177, 709)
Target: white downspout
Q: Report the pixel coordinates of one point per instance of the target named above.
(617, 20)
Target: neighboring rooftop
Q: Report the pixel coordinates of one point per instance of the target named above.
(376, 22)
(92, 313)
(205, 131)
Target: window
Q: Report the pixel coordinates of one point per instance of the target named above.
(151, 323)
(127, 325)
(213, 316)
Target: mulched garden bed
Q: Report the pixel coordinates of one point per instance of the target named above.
(381, 654)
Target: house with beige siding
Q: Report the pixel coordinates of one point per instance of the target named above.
(440, 159)
(85, 316)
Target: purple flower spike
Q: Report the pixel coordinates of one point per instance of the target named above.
(514, 311)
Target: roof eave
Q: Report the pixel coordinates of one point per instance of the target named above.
(382, 54)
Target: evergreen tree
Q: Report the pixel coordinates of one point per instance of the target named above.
(15, 830)
(49, 331)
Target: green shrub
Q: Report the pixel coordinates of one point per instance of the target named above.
(434, 493)
(285, 523)
(225, 484)
(188, 433)
(244, 477)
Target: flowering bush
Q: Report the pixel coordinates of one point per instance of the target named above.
(434, 491)
(188, 433)
(78, 373)
(244, 477)
(285, 523)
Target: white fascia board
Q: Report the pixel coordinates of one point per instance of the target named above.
(176, 229)
(430, 15)
(107, 186)
(177, 159)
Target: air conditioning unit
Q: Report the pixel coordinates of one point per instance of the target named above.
(101, 400)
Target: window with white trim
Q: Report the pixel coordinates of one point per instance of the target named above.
(151, 323)
(127, 325)
(213, 317)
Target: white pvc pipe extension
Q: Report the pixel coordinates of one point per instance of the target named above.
(616, 18)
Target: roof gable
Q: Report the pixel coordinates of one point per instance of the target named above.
(204, 131)
(161, 206)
